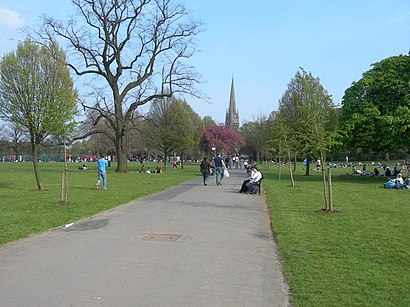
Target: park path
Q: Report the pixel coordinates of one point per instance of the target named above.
(191, 245)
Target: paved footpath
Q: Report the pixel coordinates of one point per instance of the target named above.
(191, 245)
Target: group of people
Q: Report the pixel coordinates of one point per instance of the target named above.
(219, 168)
(397, 183)
(144, 170)
(254, 177)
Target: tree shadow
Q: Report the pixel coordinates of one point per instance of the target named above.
(336, 178)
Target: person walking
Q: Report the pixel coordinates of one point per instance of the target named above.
(205, 168)
(102, 173)
(219, 169)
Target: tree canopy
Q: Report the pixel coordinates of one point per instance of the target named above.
(308, 110)
(376, 109)
(305, 120)
(170, 126)
(223, 138)
(37, 93)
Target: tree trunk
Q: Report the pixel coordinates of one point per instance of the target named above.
(34, 153)
(292, 181)
(165, 160)
(322, 165)
(64, 179)
(280, 160)
(329, 189)
(64, 186)
(121, 156)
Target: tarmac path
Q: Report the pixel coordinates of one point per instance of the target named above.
(190, 245)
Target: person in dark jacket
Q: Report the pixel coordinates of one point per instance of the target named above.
(205, 168)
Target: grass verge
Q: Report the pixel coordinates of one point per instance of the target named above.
(25, 211)
(359, 257)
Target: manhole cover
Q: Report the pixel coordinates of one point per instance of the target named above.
(161, 237)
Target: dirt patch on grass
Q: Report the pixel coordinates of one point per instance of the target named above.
(328, 211)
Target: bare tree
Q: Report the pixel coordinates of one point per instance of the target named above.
(135, 47)
(15, 134)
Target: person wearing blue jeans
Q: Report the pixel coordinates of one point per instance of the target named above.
(219, 169)
(102, 173)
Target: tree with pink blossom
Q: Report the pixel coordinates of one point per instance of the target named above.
(222, 138)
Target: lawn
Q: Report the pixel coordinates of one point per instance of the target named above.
(25, 211)
(358, 257)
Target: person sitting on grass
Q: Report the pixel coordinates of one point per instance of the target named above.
(142, 168)
(83, 168)
(375, 172)
(390, 183)
(400, 182)
(356, 171)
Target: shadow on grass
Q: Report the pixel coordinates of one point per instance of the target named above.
(364, 180)
(4, 185)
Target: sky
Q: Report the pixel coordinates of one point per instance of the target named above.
(262, 43)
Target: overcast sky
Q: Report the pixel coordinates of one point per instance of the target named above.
(262, 43)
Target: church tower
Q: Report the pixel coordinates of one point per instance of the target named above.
(232, 115)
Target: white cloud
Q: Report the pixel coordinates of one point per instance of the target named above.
(10, 19)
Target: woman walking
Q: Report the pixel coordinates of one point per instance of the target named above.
(205, 170)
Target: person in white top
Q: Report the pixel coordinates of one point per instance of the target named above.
(253, 178)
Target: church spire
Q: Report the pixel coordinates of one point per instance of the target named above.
(232, 104)
(232, 115)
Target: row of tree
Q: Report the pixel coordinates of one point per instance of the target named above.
(374, 116)
(130, 53)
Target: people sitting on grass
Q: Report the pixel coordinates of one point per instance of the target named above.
(83, 168)
(142, 168)
(398, 183)
(356, 171)
(390, 183)
(254, 177)
(401, 183)
(375, 172)
(387, 172)
(158, 169)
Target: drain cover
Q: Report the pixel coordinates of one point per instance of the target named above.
(161, 237)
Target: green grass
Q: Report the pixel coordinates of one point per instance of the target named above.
(359, 257)
(25, 211)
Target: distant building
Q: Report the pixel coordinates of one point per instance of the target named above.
(232, 114)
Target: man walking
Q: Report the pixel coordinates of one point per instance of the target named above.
(102, 173)
(219, 169)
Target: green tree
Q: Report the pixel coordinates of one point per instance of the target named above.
(376, 109)
(130, 52)
(198, 128)
(307, 111)
(208, 121)
(270, 137)
(168, 127)
(37, 93)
